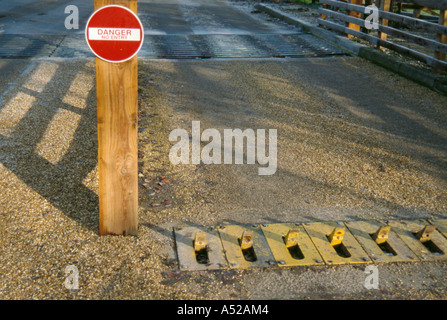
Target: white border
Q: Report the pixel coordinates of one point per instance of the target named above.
(119, 6)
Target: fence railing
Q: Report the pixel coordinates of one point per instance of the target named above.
(349, 18)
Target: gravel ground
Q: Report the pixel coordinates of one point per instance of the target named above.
(343, 141)
(354, 142)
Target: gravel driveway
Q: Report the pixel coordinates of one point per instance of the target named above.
(354, 142)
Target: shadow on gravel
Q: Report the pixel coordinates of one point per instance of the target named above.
(50, 143)
(349, 137)
(407, 128)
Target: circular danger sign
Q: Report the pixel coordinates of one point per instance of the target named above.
(114, 33)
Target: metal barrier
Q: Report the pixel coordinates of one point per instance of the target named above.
(310, 244)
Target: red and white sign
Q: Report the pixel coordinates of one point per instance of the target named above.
(114, 33)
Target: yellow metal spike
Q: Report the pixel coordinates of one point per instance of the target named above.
(200, 241)
(381, 235)
(425, 234)
(336, 237)
(246, 240)
(291, 238)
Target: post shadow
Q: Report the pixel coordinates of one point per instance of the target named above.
(61, 183)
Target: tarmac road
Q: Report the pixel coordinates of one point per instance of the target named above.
(198, 17)
(40, 17)
(158, 17)
(354, 142)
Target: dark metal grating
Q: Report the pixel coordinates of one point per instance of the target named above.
(235, 46)
(26, 46)
(176, 46)
(173, 46)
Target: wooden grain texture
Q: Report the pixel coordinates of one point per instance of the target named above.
(356, 15)
(429, 43)
(131, 4)
(385, 5)
(437, 64)
(401, 19)
(117, 116)
(442, 37)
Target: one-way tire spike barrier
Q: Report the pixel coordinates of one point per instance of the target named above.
(199, 249)
(327, 235)
(291, 245)
(310, 244)
(433, 245)
(246, 247)
(380, 247)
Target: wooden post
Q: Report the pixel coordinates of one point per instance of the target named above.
(417, 12)
(117, 116)
(324, 6)
(385, 5)
(440, 37)
(356, 15)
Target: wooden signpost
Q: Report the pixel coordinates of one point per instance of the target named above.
(116, 46)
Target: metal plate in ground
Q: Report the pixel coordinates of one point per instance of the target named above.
(393, 250)
(186, 46)
(28, 45)
(406, 230)
(231, 237)
(441, 224)
(304, 254)
(176, 46)
(319, 232)
(184, 239)
(73, 46)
